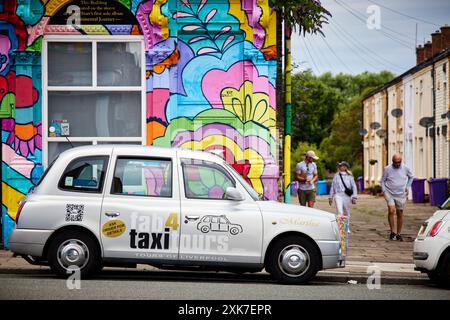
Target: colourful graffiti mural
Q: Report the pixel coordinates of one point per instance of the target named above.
(210, 82)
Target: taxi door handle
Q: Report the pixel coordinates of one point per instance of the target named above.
(112, 214)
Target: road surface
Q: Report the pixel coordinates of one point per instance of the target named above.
(133, 284)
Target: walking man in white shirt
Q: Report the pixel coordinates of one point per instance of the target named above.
(306, 175)
(396, 180)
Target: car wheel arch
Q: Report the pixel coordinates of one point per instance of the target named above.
(71, 228)
(292, 233)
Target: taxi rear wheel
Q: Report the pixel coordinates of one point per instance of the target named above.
(74, 251)
(293, 260)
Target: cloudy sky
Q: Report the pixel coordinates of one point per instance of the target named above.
(350, 46)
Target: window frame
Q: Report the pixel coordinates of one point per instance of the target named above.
(93, 39)
(142, 158)
(210, 164)
(105, 159)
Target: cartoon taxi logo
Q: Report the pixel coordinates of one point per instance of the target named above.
(218, 224)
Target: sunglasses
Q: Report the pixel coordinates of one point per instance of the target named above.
(396, 162)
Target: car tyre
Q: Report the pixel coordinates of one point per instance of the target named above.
(204, 229)
(74, 249)
(293, 260)
(443, 277)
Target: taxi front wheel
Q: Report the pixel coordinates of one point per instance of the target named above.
(74, 252)
(293, 260)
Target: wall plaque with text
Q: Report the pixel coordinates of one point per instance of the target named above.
(89, 12)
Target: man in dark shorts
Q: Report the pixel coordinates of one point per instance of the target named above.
(395, 182)
(306, 175)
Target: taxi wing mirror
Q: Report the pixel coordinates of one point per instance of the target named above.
(233, 194)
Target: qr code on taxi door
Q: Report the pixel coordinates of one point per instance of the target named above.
(74, 212)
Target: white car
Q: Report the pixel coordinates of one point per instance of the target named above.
(118, 205)
(432, 246)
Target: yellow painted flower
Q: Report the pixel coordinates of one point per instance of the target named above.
(250, 106)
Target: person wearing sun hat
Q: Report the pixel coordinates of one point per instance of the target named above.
(306, 176)
(343, 190)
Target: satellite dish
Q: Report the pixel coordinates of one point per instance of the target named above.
(363, 132)
(375, 125)
(426, 122)
(381, 133)
(397, 113)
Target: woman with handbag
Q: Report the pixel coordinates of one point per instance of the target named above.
(343, 190)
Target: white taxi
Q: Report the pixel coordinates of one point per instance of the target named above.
(432, 246)
(118, 205)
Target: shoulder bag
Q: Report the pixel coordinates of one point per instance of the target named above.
(348, 191)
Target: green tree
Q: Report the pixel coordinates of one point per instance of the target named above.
(344, 141)
(327, 112)
(307, 16)
(318, 100)
(314, 104)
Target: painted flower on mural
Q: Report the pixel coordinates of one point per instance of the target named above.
(25, 94)
(252, 151)
(251, 99)
(24, 138)
(249, 106)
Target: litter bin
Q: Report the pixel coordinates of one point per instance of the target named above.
(321, 187)
(438, 191)
(293, 187)
(418, 190)
(360, 184)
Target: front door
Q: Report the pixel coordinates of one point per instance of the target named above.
(215, 229)
(140, 211)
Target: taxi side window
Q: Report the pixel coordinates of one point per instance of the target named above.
(205, 179)
(143, 177)
(85, 174)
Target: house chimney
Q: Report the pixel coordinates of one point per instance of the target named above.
(436, 43)
(427, 49)
(420, 54)
(445, 37)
